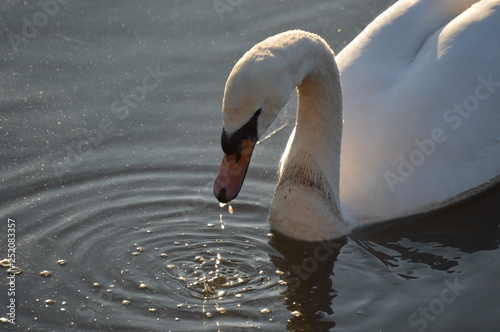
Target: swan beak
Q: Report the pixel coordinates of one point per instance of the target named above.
(232, 171)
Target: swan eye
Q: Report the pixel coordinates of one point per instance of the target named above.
(230, 144)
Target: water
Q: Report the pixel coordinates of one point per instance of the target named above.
(110, 124)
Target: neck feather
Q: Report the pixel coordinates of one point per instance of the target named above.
(318, 128)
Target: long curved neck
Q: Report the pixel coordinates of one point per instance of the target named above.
(318, 130)
(306, 202)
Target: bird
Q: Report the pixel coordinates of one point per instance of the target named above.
(404, 121)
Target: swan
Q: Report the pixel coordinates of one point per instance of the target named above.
(404, 121)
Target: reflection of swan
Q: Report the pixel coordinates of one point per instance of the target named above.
(421, 96)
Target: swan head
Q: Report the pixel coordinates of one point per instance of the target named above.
(256, 90)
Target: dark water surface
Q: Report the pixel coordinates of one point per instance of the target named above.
(109, 135)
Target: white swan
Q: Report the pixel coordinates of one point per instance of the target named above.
(419, 127)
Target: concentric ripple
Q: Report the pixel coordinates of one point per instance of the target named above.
(156, 254)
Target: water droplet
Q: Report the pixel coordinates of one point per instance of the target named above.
(45, 273)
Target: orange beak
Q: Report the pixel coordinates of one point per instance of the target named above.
(232, 171)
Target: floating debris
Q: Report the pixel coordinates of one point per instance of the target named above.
(238, 295)
(208, 314)
(266, 311)
(296, 313)
(164, 255)
(136, 253)
(222, 311)
(5, 263)
(63, 309)
(230, 209)
(49, 301)
(139, 249)
(4, 320)
(96, 285)
(14, 270)
(210, 225)
(143, 285)
(152, 309)
(180, 305)
(200, 259)
(45, 273)
(64, 302)
(125, 302)
(170, 266)
(61, 262)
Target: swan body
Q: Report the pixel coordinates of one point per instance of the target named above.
(405, 120)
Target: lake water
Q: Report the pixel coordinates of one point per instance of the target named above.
(110, 141)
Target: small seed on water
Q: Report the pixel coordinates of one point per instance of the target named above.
(143, 285)
(5, 263)
(209, 314)
(164, 255)
(171, 266)
(139, 249)
(222, 311)
(266, 311)
(135, 253)
(296, 313)
(230, 209)
(96, 284)
(61, 262)
(152, 310)
(125, 302)
(14, 270)
(4, 320)
(46, 273)
(49, 301)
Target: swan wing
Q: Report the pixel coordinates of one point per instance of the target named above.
(421, 92)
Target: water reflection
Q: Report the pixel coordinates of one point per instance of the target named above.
(409, 249)
(307, 269)
(438, 241)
